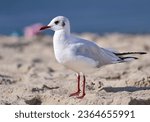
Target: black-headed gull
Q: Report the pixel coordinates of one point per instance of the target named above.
(80, 55)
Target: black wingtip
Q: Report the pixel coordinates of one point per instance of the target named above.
(123, 58)
(142, 53)
(130, 53)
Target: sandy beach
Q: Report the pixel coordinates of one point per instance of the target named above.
(30, 74)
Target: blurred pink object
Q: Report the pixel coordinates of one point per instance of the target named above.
(33, 30)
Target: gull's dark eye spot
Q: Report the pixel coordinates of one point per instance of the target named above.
(63, 24)
(56, 22)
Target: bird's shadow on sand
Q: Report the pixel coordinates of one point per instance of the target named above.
(127, 88)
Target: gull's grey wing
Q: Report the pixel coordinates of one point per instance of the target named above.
(91, 50)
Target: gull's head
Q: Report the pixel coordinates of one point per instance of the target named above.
(58, 23)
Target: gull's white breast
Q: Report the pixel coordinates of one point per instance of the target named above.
(65, 53)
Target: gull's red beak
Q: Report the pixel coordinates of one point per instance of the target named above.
(45, 27)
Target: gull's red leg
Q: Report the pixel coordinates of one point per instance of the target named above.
(83, 92)
(78, 87)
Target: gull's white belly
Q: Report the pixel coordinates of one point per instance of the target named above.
(79, 63)
(80, 67)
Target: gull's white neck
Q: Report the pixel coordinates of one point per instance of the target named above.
(60, 42)
(60, 39)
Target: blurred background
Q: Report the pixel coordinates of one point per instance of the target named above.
(97, 16)
(29, 72)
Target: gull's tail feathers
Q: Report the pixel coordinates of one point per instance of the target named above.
(125, 57)
(128, 53)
